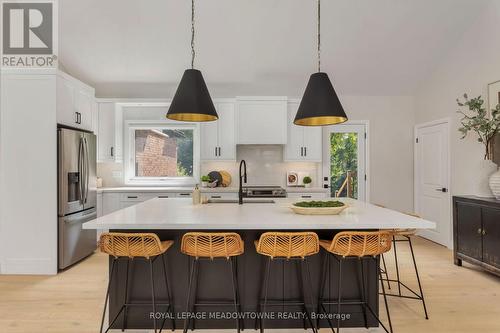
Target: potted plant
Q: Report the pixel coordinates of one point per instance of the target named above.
(205, 180)
(307, 181)
(485, 127)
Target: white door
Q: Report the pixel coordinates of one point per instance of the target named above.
(344, 160)
(226, 131)
(432, 197)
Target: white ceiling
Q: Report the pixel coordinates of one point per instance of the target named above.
(134, 48)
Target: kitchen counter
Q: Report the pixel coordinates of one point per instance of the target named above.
(232, 189)
(171, 218)
(177, 214)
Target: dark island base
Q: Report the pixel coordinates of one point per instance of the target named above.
(215, 283)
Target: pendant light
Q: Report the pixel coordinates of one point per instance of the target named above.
(320, 105)
(192, 101)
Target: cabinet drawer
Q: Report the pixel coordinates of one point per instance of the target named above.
(223, 196)
(307, 195)
(182, 195)
(491, 236)
(137, 196)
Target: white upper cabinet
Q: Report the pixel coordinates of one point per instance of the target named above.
(109, 133)
(304, 142)
(218, 137)
(75, 103)
(261, 120)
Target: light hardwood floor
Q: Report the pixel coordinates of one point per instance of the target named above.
(459, 299)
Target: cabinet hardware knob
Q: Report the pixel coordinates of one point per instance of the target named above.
(483, 232)
(479, 231)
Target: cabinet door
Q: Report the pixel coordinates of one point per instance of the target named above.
(306, 195)
(294, 149)
(106, 132)
(469, 230)
(209, 140)
(313, 148)
(262, 121)
(491, 236)
(84, 100)
(110, 202)
(226, 132)
(66, 111)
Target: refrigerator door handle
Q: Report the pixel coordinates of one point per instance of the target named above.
(80, 170)
(87, 172)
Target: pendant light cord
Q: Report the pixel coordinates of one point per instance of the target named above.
(193, 52)
(319, 35)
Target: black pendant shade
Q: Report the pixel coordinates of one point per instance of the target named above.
(320, 105)
(192, 100)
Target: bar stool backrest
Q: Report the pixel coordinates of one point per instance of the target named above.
(288, 244)
(212, 244)
(361, 243)
(130, 244)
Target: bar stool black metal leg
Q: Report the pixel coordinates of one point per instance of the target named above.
(397, 265)
(125, 311)
(153, 292)
(385, 301)
(418, 277)
(235, 293)
(170, 308)
(266, 289)
(339, 291)
(321, 292)
(195, 292)
(107, 292)
(188, 299)
(242, 322)
(385, 271)
(309, 286)
(361, 276)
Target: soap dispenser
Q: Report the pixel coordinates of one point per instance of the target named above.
(196, 195)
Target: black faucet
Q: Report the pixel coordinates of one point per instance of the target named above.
(243, 178)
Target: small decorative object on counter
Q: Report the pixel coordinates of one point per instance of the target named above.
(226, 178)
(318, 207)
(196, 195)
(205, 180)
(307, 181)
(486, 127)
(215, 176)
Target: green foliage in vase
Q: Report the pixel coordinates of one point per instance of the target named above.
(478, 121)
(205, 178)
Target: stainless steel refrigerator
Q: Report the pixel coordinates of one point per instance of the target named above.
(77, 194)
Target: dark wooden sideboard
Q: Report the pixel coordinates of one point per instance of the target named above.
(476, 232)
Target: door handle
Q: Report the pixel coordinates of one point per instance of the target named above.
(301, 151)
(81, 177)
(87, 170)
(479, 231)
(215, 151)
(112, 152)
(305, 151)
(442, 189)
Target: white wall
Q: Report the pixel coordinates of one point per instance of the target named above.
(391, 120)
(469, 67)
(28, 174)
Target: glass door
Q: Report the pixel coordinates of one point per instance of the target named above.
(344, 160)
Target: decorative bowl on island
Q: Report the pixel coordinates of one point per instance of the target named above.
(318, 207)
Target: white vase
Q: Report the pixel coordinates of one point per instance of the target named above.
(482, 186)
(495, 184)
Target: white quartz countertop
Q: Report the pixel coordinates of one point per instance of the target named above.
(231, 189)
(181, 214)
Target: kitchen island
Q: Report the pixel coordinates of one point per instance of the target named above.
(171, 218)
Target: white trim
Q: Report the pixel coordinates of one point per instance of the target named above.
(129, 153)
(366, 124)
(447, 122)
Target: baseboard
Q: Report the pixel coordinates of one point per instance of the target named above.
(23, 266)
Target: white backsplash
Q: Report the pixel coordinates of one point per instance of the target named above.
(265, 166)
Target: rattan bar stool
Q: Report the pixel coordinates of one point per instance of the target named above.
(211, 246)
(286, 247)
(136, 246)
(354, 245)
(405, 235)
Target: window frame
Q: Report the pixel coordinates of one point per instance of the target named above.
(129, 159)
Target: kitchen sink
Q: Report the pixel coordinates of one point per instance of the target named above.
(245, 201)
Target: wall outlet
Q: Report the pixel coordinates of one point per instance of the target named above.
(117, 174)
